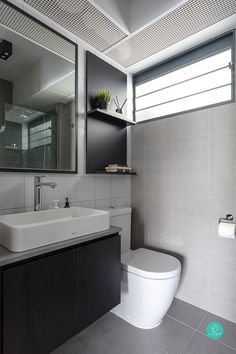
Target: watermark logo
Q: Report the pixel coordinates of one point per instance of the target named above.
(214, 330)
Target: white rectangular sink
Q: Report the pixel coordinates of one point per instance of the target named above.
(24, 231)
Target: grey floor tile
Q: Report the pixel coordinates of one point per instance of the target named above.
(200, 344)
(71, 347)
(229, 336)
(171, 336)
(186, 313)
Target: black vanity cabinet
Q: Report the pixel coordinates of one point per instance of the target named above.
(98, 279)
(48, 299)
(39, 304)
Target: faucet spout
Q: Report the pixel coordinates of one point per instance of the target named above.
(38, 184)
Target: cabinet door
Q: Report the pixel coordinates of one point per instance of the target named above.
(39, 304)
(98, 279)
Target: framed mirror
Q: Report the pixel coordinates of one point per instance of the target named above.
(38, 95)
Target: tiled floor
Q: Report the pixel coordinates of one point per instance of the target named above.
(181, 332)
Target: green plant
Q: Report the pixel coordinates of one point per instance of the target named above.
(103, 96)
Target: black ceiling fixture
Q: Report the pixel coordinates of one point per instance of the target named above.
(5, 49)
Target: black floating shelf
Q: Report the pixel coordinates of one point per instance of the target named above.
(116, 173)
(103, 113)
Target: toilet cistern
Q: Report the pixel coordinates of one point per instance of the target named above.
(38, 184)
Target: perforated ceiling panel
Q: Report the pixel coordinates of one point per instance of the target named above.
(23, 25)
(83, 19)
(186, 20)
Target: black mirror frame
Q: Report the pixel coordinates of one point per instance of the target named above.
(75, 171)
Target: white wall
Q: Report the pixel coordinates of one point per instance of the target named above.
(16, 189)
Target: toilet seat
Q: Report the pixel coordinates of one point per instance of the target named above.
(150, 264)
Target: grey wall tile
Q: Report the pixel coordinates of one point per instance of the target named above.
(138, 190)
(159, 193)
(138, 224)
(138, 135)
(191, 159)
(160, 131)
(160, 159)
(191, 126)
(188, 160)
(192, 195)
(222, 120)
(138, 159)
(159, 227)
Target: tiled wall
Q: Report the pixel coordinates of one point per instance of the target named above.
(186, 181)
(16, 189)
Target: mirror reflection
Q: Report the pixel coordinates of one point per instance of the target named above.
(37, 104)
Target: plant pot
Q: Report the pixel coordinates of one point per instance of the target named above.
(104, 105)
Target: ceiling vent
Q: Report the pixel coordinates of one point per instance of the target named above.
(23, 25)
(83, 19)
(186, 20)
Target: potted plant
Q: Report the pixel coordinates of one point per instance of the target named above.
(103, 98)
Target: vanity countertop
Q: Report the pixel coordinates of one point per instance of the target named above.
(8, 257)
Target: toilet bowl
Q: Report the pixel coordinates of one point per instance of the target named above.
(149, 279)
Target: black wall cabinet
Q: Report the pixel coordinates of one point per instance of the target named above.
(106, 135)
(48, 300)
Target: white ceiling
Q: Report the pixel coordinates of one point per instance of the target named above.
(132, 15)
(133, 33)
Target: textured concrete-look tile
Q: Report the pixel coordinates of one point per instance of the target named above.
(222, 152)
(138, 190)
(192, 195)
(222, 120)
(190, 159)
(190, 231)
(200, 344)
(229, 336)
(186, 313)
(193, 286)
(191, 126)
(159, 193)
(138, 232)
(138, 159)
(162, 235)
(138, 135)
(160, 131)
(160, 159)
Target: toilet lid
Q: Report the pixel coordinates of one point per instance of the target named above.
(150, 264)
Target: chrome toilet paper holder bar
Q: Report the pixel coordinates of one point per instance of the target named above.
(228, 218)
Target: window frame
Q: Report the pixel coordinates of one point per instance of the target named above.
(181, 60)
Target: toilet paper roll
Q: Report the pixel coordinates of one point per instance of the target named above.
(227, 229)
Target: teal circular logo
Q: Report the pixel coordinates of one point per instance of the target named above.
(214, 330)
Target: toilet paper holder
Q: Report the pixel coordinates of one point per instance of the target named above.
(228, 218)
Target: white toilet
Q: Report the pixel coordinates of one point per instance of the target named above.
(149, 279)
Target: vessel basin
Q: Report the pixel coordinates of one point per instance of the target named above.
(24, 231)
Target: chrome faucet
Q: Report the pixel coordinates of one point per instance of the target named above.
(38, 184)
